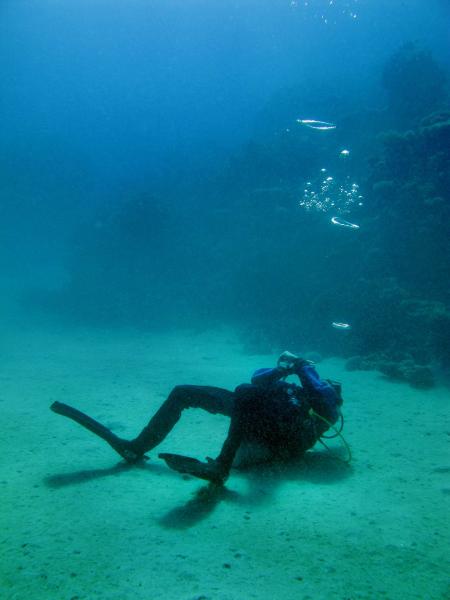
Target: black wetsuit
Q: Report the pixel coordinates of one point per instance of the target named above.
(269, 411)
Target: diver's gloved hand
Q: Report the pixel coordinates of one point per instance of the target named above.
(291, 362)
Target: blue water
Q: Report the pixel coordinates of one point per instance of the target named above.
(122, 90)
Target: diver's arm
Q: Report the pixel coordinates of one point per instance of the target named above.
(286, 364)
(321, 395)
(267, 377)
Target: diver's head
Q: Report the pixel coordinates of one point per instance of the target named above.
(337, 387)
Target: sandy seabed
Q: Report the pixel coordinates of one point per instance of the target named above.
(76, 523)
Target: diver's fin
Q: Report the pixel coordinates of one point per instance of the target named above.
(122, 447)
(83, 419)
(211, 471)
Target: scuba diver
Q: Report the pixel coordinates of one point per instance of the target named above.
(281, 417)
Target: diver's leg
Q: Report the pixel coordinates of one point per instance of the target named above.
(212, 399)
(245, 410)
(217, 471)
(231, 443)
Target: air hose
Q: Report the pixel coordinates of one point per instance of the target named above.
(338, 433)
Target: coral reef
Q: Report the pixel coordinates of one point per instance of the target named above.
(418, 376)
(413, 68)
